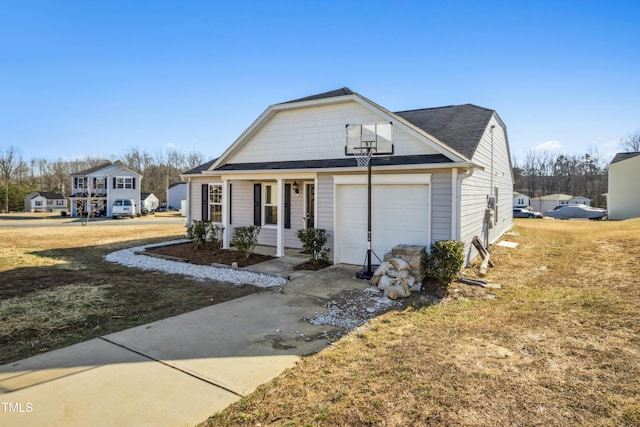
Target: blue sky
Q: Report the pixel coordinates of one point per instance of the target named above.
(90, 78)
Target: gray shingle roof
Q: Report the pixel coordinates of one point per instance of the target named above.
(51, 195)
(459, 126)
(335, 163)
(624, 156)
(93, 169)
(201, 168)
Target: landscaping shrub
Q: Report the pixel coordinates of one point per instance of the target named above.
(197, 233)
(202, 233)
(444, 261)
(313, 240)
(245, 239)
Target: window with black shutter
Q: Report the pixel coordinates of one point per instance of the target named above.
(257, 204)
(205, 203)
(287, 206)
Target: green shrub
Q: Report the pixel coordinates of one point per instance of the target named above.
(444, 261)
(245, 239)
(197, 233)
(203, 233)
(313, 240)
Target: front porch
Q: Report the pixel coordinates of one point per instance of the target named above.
(280, 206)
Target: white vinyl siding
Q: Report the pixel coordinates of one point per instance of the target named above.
(624, 199)
(316, 133)
(476, 189)
(440, 206)
(325, 215)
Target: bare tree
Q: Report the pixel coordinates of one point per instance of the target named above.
(631, 143)
(10, 164)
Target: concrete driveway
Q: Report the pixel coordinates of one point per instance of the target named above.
(178, 371)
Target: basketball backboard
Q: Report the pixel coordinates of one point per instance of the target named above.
(362, 137)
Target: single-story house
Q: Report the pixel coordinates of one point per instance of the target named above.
(623, 198)
(177, 193)
(546, 203)
(149, 201)
(521, 200)
(446, 176)
(46, 201)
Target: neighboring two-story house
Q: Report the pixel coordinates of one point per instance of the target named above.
(46, 201)
(96, 189)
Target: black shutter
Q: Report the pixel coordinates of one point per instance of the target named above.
(205, 202)
(287, 206)
(114, 182)
(257, 204)
(133, 181)
(230, 205)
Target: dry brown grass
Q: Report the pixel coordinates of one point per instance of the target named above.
(56, 289)
(558, 345)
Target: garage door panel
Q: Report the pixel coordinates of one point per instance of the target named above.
(399, 215)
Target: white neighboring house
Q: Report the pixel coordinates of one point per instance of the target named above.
(289, 171)
(546, 203)
(623, 199)
(102, 185)
(177, 193)
(521, 200)
(150, 201)
(46, 201)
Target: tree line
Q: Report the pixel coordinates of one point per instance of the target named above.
(23, 176)
(538, 174)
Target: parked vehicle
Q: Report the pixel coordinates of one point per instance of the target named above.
(123, 207)
(525, 213)
(576, 212)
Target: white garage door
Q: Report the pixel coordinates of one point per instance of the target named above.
(400, 215)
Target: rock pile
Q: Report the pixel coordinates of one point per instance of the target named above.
(394, 278)
(413, 254)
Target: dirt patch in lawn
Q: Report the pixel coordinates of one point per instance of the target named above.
(56, 289)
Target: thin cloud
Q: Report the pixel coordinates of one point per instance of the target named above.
(552, 146)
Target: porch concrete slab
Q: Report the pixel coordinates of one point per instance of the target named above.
(282, 266)
(328, 281)
(100, 384)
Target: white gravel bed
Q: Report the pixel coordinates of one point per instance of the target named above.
(129, 258)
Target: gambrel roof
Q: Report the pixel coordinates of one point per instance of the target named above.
(455, 131)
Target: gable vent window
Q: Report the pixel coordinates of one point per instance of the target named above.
(215, 203)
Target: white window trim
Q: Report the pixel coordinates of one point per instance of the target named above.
(274, 202)
(124, 182)
(212, 203)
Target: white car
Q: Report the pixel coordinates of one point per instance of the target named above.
(576, 211)
(123, 207)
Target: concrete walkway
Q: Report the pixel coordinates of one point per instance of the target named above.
(176, 371)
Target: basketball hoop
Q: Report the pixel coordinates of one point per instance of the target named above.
(363, 155)
(363, 141)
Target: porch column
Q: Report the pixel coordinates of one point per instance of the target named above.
(280, 220)
(225, 214)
